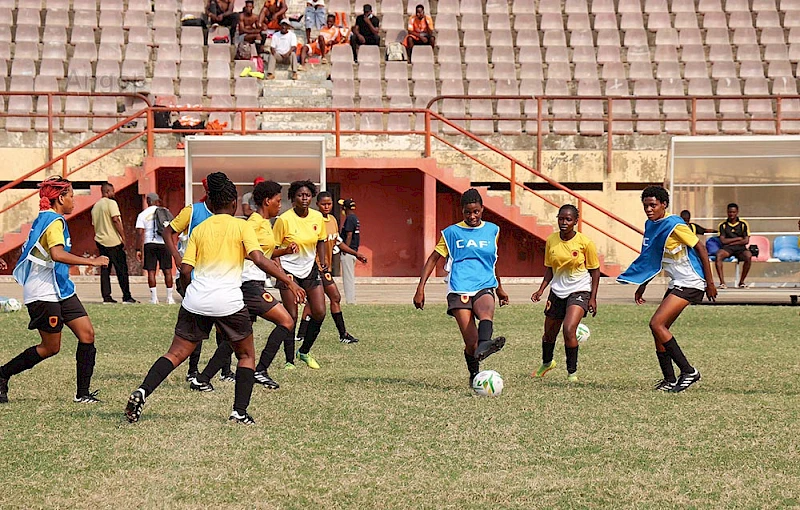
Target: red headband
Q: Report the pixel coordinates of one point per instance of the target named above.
(49, 190)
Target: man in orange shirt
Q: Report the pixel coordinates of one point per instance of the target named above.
(420, 31)
(271, 14)
(328, 37)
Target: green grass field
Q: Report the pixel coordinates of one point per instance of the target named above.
(391, 423)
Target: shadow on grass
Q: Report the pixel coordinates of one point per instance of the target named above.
(416, 383)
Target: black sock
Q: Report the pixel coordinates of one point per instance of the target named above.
(158, 372)
(25, 360)
(472, 364)
(84, 358)
(303, 329)
(288, 348)
(194, 358)
(665, 362)
(278, 336)
(485, 331)
(677, 356)
(311, 336)
(219, 360)
(572, 359)
(226, 363)
(547, 352)
(338, 319)
(243, 390)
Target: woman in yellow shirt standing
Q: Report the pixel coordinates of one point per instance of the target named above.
(572, 270)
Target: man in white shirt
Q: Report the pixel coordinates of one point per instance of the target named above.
(155, 252)
(284, 44)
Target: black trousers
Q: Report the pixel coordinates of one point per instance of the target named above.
(117, 260)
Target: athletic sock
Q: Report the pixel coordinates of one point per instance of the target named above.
(303, 329)
(677, 356)
(338, 319)
(169, 293)
(288, 348)
(665, 362)
(220, 358)
(274, 342)
(84, 366)
(311, 336)
(547, 352)
(572, 359)
(25, 360)
(485, 331)
(194, 358)
(472, 364)
(226, 363)
(244, 389)
(158, 372)
(153, 294)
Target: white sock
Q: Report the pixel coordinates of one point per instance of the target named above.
(169, 293)
(153, 295)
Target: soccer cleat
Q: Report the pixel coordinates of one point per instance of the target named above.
(198, 385)
(347, 338)
(298, 339)
(89, 398)
(572, 377)
(543, 369)
(242, 418)
(191, 375)
(684, 381)
(308, 360)
(664, 385)
(135, 404)
(289, 366)
(263, 378)
(484, 351)
(227, 377)
(3, 391)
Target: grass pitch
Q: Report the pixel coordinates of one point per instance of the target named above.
(391, 423)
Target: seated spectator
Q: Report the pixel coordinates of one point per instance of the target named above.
(220, 12)
(328, 37)
(694, 227)
(734, 234)
(366, 31)
(315, 16)
(249, 26)
(271, 14)
(283, 50)
(420, 31)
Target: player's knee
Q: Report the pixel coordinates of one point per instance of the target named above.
(655, 325)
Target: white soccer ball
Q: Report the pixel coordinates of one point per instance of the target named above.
(583, 332)
(12, 305)
(488, 384)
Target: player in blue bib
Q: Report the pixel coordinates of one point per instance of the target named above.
(470, 248)
(49, 294)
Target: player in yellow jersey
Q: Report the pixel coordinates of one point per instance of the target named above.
(572, 270)
(212, 271)
(305, 228)
(333, 243)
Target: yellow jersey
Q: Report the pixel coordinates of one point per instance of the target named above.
(305, 233)
(266, 239)
(570, 261)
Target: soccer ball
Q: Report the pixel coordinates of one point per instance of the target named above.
(583, 332)
(488, 384)
(12, 305)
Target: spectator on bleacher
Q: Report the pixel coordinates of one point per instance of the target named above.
(249, 25)
(696, 229)
(283, 50)
(220, 12)
(109, 235)
(328, 37)
(734, 234)
(271, 14)
(420, 31)
(315, 16)
(366, 31)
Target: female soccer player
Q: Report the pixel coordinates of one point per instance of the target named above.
(573, 271)
(212, 272)
(304, 227)
(471, 249)
(259, 302)
(325, 205)
(49, 294)
(670, 245)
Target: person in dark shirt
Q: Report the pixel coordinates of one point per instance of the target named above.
(694, 227)
(734, 234)
(351, 236)
(365, 31)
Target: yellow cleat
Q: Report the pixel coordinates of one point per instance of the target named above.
(572, 378)
(308, 360)
(544, 369)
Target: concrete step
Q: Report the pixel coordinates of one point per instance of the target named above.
(292, 102)
(297, 118)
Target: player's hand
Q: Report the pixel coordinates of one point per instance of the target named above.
(502, 296)
(3, 265)
(537, 296)
(593, 307)
(299, 293)
(292, 248)
(102, 260)
(638, 297)
(361, 257)
(139, 257)
(419, 299)
(711, 291)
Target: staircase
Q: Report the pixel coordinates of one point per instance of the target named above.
(310, 90)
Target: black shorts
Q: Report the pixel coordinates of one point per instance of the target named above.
(196, 328)
(736, 250)
(693, 296)
(156, 255)
(327, 279)
(464, 302)
(556, 307)
(257, 300)
(50, 317)
(307, 283)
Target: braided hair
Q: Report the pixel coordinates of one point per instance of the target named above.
(221, 191)
(50, 189)
(471, 196)
(265, 190)
(296, 185)
(569, 207)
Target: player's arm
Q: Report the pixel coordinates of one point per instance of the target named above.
(321, 255)
(273, 269)
(595, 274)
(345, 248)
(502, 295)
(169, 236)
(59, 254)
(548, 277)
(186, 274)
(139, 243)
(117, 221)
(427, 270)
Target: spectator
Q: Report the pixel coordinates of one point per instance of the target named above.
(696, 229)
(248, 202)
(328, 37)
(351, 236)
(109, 235)
(734, 234)
(420, 31)
(249, 25)
(151, 242)
(283, 50)
(271, 14)
(366, 31)
(315, 16)
(220, 12)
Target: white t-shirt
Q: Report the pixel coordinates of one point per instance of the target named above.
(284, 42)
(145, 221)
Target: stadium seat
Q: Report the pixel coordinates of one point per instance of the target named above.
(785, 248)
(620, 108)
